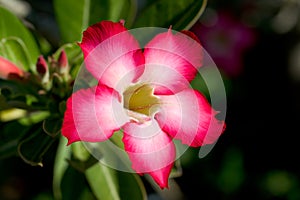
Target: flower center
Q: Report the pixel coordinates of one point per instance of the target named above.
(140, 98)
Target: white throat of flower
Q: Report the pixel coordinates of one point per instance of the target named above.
(140, 102)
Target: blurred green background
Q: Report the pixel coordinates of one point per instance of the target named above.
(256, 45)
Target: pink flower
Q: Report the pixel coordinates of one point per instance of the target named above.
(145, 93)
(9, 70)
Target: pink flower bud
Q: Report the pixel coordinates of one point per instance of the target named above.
(63, 60)
(41, 65)
(63, 63)
(42, 69)
(9, 70)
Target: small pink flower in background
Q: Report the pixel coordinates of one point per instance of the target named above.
(9, 70)
(225, 38)
(145, 93)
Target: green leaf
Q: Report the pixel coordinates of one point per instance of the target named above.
(80, 152)
(176, 170)
(199, 84)
(190, 15)
(10, 134)
(10, 114)
(17, 89)
(113, 10)
(131, 186)
(8, 149)
(60, 166)
(34, 117)
(116, 138)
(81, 160)
(73, 186)
(173, 192)
(180, 14)
(11, 27)
(106, 183)
(62, 107)
(103, 182)
(82, 166)
(14, 50)
(73, 18)
(211, 83)
(33, 148)
(52, 126)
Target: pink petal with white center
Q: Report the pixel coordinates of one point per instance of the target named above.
(150, 150)
(171, 61)
(93, 115)
(8, 69)
(187, 116)
(112, 54)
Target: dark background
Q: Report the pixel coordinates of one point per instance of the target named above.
(257, 157)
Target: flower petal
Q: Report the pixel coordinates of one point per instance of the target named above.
(112, 54)
(93, 115)
(171, 61)
(8, 69)
(150, 150)
(189, 117)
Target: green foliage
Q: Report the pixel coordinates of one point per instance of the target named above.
(60, 166)
(20, 46)
(52, 126)
(180, 14)
(73, 164)
(74, 186)
(73, 18)
(131, 186)
(10, 135)
(107, 183)
(14, 49)
(33, 148)
(103, 181)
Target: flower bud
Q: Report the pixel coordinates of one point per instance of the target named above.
(41, 66)
(8, 70)
(63, 63)
(43, 71)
